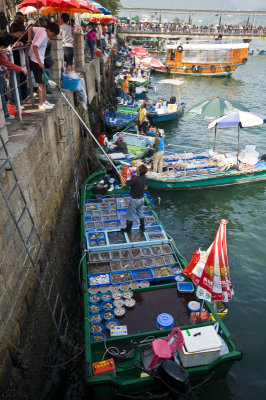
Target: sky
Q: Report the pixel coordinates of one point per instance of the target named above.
(250, 5)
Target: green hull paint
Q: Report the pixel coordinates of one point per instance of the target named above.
(208, 181)
(129, 381)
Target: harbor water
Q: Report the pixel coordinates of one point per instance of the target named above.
(192, 218)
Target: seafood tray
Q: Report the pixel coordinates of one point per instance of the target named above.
(99, 279)
(163, 273)
(143, 274)
(121, 277)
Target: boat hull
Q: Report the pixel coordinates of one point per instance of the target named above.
(154, 117)
(208, 181)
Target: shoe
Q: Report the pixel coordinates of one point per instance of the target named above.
(142, 224)
(49, 91)
(111, 188)
(10, 117)
(45, 107)
(101, 182)
(128, 227)
(46, 102)
(8, 123)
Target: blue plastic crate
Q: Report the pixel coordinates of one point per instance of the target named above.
(147, 271)
(105, 224)
(153, 228)
(95, 276)
(120, 273)
(185, 287)
(68, 82)
(163, 278)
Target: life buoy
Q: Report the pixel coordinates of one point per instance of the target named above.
(228, 68)
(213, 69)
(180, 49)
(193, 68)
(199, 68)
(244, 60)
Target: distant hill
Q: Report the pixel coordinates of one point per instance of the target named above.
(179, 4)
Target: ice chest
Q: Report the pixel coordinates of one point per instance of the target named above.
(201, 346)
(70, 82)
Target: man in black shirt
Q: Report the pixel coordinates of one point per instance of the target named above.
(137, 186)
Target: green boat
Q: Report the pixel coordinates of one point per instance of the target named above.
(198, 171)
(119, 365)
(136, 81)
(139, 146)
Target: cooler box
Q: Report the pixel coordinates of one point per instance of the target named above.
(201, 346)
(172, 107)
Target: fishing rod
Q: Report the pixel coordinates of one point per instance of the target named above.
(53, 84)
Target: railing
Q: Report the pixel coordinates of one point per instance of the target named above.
(198, 30)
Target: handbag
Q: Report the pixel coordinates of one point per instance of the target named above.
(45, 78)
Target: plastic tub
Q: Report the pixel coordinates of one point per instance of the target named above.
(95, 328)
(97, 336)
(185, 287)
(143, 274)
(108, 315)
(112, 322)
(94, 298)
(164, 321)
(96, 318)
(163, 273)
(106, 296)
(95, 308)
(99, 279)
(180, 277)
(194, 306)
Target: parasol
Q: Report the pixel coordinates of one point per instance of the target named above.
(152, 62)
(241, 119)
(139, 52)
(102, 9)
(53, 6)
(28, 10)
(215, 108)
(173, 82)
(211, 273)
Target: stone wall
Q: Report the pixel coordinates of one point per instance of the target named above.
(42, 158)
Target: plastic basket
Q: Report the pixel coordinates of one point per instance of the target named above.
(69, 82)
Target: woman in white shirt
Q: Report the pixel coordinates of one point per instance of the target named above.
(66, 32)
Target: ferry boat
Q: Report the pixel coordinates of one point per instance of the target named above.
(130, 282)
(206, 59)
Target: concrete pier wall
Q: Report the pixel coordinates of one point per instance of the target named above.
(42, 157)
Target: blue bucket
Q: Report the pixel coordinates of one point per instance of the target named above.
(165, 321)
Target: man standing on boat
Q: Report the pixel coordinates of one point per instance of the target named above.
(137, 185)
(142, 118)
(125, 89)
(158, 151)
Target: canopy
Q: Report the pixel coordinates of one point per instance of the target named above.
(212, 276)
(52, 6)
(139, 52)
(215, 108)
(145, 20)
(28, 10)
(240, 118)
(175, 82)
(102, 9)
(152, 62)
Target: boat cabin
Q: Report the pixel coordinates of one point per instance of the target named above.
(206, 58)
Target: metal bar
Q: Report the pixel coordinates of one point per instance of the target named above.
(60, 319)
(12, 191)
(50, 289)
(21, 215)
(55, 304)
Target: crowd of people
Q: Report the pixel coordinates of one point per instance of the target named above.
(21, 36)
(169, 27)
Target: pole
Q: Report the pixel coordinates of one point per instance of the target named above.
(88, 130)
(238, 139)
(214, 143)
(199, 317)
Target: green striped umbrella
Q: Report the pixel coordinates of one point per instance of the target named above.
(215, 108)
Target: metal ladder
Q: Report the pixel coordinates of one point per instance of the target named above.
(74, 160)
(36, 256)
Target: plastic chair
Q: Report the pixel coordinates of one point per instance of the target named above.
(166, 348)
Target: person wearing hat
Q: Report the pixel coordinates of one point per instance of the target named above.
(158, 151)
(121, 146)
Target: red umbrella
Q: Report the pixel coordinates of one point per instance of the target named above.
(38, 4)
(139, 52)
(152, 62)
(61, 5)
(212, 276)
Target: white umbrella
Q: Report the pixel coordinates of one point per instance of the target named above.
(241, 119)
(175, 82)
(28, 10)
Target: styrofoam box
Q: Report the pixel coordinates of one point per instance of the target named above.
(201, 346)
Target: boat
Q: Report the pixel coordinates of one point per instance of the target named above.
(262, 52)
(144, 271)
(139, 146)
(124, 116)
(203, 170)
(206, 59)
(134, 80)
(163, 111)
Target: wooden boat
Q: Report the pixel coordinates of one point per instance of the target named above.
(139, 146)
(163, 112)
(136, 81)
(204, 172)
(124, 116)
(147, 263)
(206, 59)
(262, 52)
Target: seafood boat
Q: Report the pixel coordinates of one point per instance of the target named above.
(206, 59)
(121, 119)
(138, 147)
(202, 170)
(136, 300)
